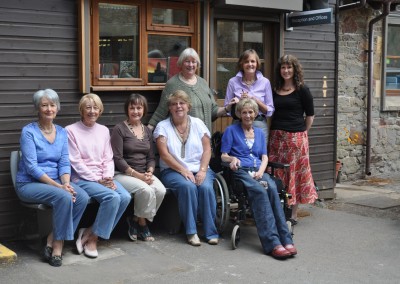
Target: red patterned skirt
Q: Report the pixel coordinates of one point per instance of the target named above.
(292, 148)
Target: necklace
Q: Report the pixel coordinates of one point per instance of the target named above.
(287, 89)
(48, 132)
(248, 83)
(133, 132)
(250, 143)
(182, 138)
(191, 81)
(181, 133)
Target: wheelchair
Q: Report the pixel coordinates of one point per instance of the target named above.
(231, 195)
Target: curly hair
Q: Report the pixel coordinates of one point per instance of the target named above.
(297, 71)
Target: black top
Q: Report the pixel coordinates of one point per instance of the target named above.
(290, 110)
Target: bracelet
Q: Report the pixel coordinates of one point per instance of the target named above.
(202, 169)
(131, 173)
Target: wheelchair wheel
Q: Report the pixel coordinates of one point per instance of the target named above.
(290, 227)
(223, 204)
(235, 238)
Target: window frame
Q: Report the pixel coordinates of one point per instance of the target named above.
(392, 19)
(146, 28)
(170, 28)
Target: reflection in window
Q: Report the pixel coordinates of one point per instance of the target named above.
(170, 17)
(163, 55)
(392, 76)
(118, 41)
(234, 37)
(253, 37)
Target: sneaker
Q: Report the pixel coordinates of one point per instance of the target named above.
(132, 229)
(55, 260)
(194, 240)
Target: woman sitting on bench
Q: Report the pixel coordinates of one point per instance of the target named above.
(133, 148)
(93, 169)
(44, 174)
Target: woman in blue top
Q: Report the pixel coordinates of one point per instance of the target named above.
(244, 148)
(44, 174)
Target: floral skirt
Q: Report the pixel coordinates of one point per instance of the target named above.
(292, 148)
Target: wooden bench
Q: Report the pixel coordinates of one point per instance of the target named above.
(167, 216)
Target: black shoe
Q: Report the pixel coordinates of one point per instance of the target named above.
(55, 260)
(132, 229)
(47, 252)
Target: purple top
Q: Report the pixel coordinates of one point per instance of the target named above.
(260, 89)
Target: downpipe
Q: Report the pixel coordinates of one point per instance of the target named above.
(386, 11)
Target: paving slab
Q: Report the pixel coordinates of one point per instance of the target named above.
(376, 201)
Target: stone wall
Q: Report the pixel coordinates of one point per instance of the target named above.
(352, 100)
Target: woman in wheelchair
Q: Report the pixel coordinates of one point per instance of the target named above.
(244, 148)
(184, 145)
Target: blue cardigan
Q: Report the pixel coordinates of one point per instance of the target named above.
(234, 144)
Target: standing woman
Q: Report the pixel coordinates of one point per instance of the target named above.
(44, 174)
(249, 82)
(93, 170)
(293, 117)
(184, 145)
(134, 158)
(200, 94)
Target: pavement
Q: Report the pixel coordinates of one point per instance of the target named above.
(350, 239)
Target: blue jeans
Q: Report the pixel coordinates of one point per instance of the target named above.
(66, 214)
(112, 205)
(194, 200)
(267, 210)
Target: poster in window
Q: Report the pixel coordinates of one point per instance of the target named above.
(127, 69)
(157, 70)
(172, 66)
(109, 70)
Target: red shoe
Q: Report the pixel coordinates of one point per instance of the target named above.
(279, 252)
(291, 249)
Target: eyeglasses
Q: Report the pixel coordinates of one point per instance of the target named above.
(188, 62)
(89, 108)
(178, 104)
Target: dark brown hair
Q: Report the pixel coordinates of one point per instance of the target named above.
(136, 99)
(297, 71)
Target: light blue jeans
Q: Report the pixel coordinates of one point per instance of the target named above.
(194, 201)
(66, 214)
(267, 210)
(112, 205)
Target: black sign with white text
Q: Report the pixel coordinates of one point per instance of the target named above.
(308, 18)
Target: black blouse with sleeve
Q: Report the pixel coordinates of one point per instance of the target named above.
(291, 109)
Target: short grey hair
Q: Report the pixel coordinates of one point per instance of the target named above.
(246, 103)
(186, 53)
(48, 94)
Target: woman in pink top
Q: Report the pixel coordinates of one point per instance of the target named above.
(92, 164)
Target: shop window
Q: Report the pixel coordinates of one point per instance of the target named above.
(137, 43)
(391, 74)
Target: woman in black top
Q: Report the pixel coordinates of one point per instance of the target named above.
(293, 117)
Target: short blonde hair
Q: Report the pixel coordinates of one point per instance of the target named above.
(246, 103)
(95, 98)
(180, 95)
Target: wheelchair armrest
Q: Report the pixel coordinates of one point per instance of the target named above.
(277, 165)
(225, 164)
